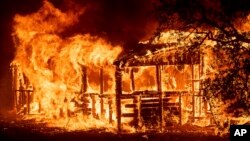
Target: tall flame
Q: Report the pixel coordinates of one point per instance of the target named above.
(52, 64)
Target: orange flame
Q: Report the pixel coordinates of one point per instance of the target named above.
(53, 65)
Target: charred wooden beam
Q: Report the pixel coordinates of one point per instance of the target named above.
(118, 90)
(132, 79)
(22, 96)
(101, 92)
(193, 94)
(39, 107)
(28, 102)
(23, 102)
(171, 104)
(199, 76)
(159, 89)
(110, 109)
(201, 84)
(180, 102)
(84, 86)
(128, 115)
(151, 100)
(14, 85)
(93, 109)
(136, 111)
(127, 96)
(158, 78)
(101, 81)
(149, 105)
(137, 102)
(130, 106)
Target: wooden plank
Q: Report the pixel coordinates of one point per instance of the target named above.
(180, 103)
(110, 110)
(199, 118)
(101, 92)
(106, 95)
(128, 115)
(127, 96)
(171, 105)
(147, 109)
(130, 105)
(149, 100)
(193, 97)
(84, 80)
(28, 102)
(167, 99)
(145, 95)
(118, 91)
(132, 79)
(88, 94)
(14, 84)
(150, 105)
(137, 111)
(93, 109)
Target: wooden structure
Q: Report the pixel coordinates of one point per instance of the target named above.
(22, 91)
(149, 106)
(101, 97)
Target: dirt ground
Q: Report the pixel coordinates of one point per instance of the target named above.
(19, 130)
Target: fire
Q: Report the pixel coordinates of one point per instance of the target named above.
(54, 65)
(75, 75)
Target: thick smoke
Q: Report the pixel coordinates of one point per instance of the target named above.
(176, 14)
(123, 22)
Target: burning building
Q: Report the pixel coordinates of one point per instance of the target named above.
(160, 85)
(163, 85)
(83, 81)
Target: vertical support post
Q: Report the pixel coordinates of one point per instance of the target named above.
(193, 97)
(139, 109)
(101, 92)
(93, 110)
(84, 88)
(118, 90)
(39, 107)
(132, 79)
(28, 101)
(110, 110)
(22, 94)
(180, 102)
(84, 80)
(199, 82)
(159, 89)
(136, 118)
(14, 85)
